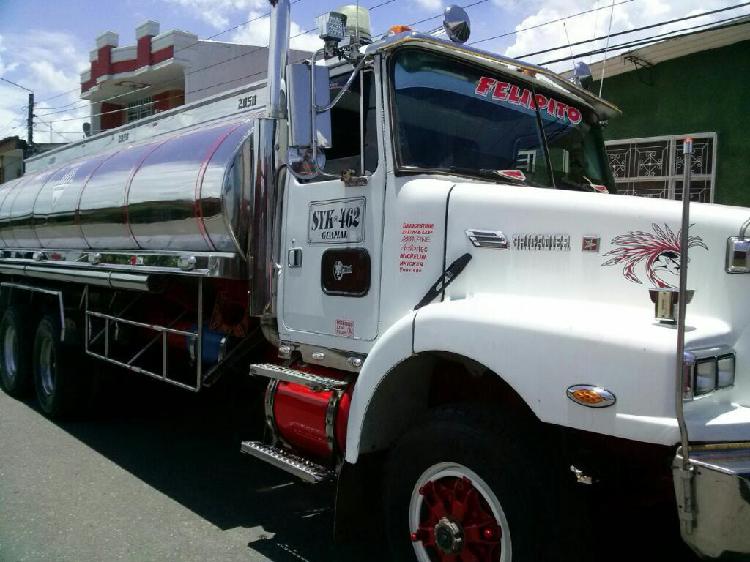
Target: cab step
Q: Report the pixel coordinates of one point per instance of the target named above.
(300, 467)
(315, 382)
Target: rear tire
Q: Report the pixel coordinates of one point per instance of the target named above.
(59, 376)
(464, 485)
(16, 376)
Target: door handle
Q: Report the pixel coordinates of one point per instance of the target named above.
(294, 257)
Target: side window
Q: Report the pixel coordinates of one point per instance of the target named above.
(347, 151)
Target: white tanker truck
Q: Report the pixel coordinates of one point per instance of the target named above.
(413, 244)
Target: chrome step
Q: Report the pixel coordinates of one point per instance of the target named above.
(315, 382)
(293, 464)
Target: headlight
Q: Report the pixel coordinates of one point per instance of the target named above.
(705, 376)
(707, 370)
(726, 370)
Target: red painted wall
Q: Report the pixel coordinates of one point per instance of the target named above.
(168, 100)
(111, 120)
(103, 64)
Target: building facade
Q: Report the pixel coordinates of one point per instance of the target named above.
(696, 85)
(162, 71)
(12, 152)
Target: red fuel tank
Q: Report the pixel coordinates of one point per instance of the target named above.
(311, 422)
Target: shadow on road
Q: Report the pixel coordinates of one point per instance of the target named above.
(187, 447)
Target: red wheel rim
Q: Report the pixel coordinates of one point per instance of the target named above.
(456, 523)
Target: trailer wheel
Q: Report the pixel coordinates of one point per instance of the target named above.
(460, 488)
(15, 351)
(58, 383)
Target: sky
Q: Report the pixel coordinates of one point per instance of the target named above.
(44, 44)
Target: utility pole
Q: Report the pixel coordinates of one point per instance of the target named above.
(30, 123)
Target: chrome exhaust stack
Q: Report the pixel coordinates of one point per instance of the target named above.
(267, 150)
(278, 50)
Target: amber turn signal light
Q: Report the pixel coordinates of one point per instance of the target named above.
(591, 396)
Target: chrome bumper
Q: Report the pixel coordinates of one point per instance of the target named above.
(717, 524)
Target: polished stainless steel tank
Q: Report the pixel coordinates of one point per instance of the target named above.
(188, 191)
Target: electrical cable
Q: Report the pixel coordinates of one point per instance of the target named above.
(606, 47)
(172, 80)
(543, 24)
(644, 41)
(222, 32)
(634, 30)
(194, 91)
(17, 86)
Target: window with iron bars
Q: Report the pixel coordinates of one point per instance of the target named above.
(140, 108)
(653, 166)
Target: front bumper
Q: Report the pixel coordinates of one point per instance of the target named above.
(717, 524)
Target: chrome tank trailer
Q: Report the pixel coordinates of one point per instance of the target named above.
(186, 191)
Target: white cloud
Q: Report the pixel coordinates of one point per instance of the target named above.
(47, 62)
(217, 12)
(257, 32)
(432, 5)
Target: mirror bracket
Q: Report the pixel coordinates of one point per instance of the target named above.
(351, 179)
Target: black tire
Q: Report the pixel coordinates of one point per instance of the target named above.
(16, 335)
(59, 371)
(499, 455)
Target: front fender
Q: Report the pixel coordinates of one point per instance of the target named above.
(392, 348)
(541, 346)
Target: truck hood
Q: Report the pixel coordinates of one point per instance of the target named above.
(595, 247)
(604, 253)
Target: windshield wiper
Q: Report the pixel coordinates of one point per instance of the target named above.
(543, 135)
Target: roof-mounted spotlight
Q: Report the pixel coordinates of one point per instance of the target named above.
(456, 24)
(332, 30)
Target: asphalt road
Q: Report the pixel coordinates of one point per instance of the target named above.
(155, 474)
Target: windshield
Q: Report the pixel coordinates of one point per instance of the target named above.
(455, 117)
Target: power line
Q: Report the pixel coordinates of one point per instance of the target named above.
(606, 47)
(441, 14)
(152, 102)
(16, 85)
(214, 85)
(543, 24)
(644, 41)
(50, 127)
(189, 45)
(635, 30)
(172, 80)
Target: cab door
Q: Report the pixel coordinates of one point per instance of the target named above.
(332, 232)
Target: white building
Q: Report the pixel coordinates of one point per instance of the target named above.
(162, 71)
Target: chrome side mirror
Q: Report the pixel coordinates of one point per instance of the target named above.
(306, 136)
(456, 24)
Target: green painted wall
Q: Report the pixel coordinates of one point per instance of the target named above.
(706, 91)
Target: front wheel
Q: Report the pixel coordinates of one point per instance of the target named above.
(462, 488)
